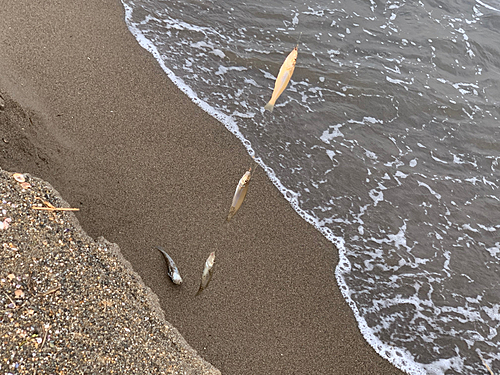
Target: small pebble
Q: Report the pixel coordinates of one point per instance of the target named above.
(19, 293)
(5, 224)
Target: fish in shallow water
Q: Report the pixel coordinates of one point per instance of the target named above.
(207, 272)
(240, 193)
(173, 271)
(283, 78)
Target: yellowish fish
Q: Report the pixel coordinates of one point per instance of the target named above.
(283, 78)
(240, 193)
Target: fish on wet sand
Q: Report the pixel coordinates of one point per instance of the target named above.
(207, 272)
(173, 271)
(283, 78)
(240, 193)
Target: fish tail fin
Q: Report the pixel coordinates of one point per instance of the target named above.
(269, 106)
(232, 211)
(298, 40)
(254, 168)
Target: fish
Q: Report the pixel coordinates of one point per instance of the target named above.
(173, 271)
(283, 78)
(240, 193)
(207, 272)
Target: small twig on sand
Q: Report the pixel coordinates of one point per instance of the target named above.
(48, 204)
(56, 209)
(45, 332)
(11, 300)
(51, 207)
(50, 291)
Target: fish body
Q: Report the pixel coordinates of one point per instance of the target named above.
(240, 193)
(207, 272)
(283, 78)
(173, 271)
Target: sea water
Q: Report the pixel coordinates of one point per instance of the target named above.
(387, 139)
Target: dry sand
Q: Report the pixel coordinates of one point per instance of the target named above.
(147, 167)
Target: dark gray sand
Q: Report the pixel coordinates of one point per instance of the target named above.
(100, 121)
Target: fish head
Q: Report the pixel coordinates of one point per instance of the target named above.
(176, 278)
(246, 178)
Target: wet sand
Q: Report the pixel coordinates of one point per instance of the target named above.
(148, 167)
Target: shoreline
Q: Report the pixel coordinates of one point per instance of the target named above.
(147, 167)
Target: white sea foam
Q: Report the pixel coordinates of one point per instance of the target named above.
(488, 6)
(327, 136)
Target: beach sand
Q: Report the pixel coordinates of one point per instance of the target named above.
(71, 304)
(146, 166)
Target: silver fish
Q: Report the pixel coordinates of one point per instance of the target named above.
(207, 272)
(173, 271)
(240, 193)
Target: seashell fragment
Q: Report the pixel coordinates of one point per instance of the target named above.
(25, 185)
(19, 177)
(19, 293)
(5, 224)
